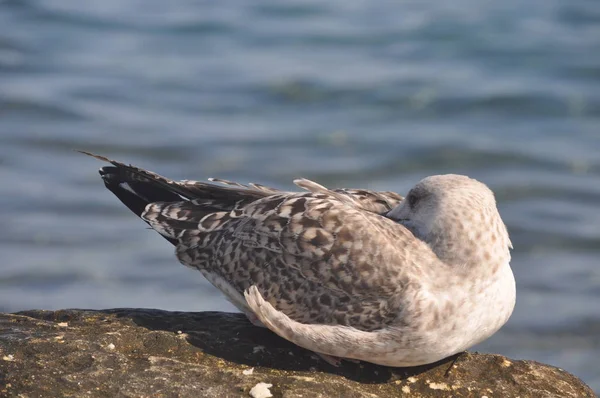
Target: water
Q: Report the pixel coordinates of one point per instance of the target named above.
(356, 94)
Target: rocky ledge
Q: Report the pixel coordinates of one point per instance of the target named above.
(151, 353)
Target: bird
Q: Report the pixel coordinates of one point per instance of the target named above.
(350, 274)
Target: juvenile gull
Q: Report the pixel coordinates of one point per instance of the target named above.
(346, 273)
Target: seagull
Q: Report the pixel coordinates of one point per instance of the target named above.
(346, 273)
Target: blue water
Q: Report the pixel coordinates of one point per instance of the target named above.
(348, 93)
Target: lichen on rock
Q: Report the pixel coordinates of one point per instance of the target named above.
(152, 353)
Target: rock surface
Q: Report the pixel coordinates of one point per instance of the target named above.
(151, 353)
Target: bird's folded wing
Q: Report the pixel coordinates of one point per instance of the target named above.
(315, 256)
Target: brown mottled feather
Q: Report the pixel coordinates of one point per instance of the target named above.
(308, 253)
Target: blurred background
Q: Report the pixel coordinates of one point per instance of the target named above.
(348, 93)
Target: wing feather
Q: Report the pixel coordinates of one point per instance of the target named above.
(322, 256)
(317, 259)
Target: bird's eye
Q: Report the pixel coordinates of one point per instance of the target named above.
(412, 199)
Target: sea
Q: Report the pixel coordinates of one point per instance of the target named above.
(348, 93)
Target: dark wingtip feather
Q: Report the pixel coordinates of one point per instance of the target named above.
(137, 188)
(134, 187)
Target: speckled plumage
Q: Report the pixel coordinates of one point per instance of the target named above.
(351, 273)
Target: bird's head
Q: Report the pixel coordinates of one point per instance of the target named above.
(457, 216)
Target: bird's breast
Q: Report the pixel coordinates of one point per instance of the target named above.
(481, 309)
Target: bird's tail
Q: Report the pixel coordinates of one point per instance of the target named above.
(137, 188)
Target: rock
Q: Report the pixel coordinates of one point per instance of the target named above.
(151, 353)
